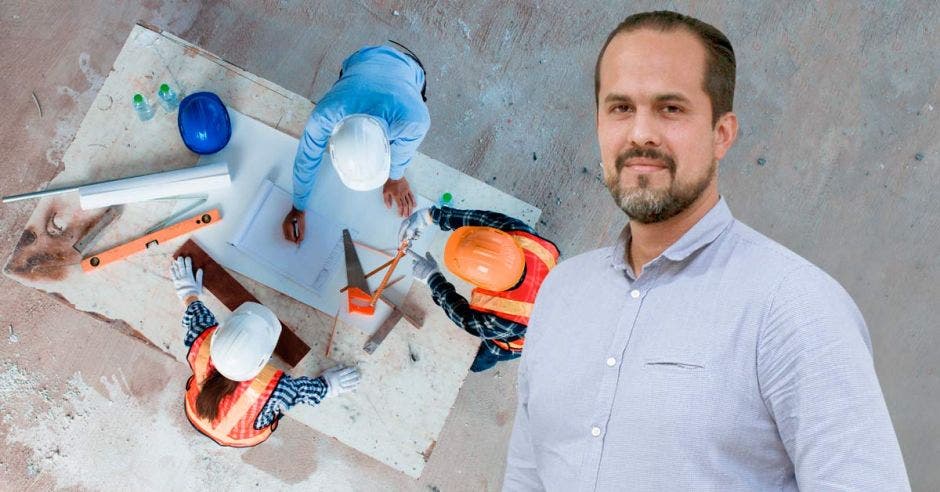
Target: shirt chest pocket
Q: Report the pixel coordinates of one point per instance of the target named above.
(675, 385)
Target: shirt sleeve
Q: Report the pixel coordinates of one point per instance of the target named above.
(521, 471)
(477, 323)
(196, 320)
(818, 380)
(404, 147)
(310, 151)
(452, 218)
(289, 392)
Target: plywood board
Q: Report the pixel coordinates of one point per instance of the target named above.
(409, 384)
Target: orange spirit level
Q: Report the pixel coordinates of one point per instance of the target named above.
(95, 262)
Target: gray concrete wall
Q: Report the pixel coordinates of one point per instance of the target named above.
(840, 99)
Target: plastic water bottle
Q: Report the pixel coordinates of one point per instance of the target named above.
(168, 98)
(445, 200)
(142, 107)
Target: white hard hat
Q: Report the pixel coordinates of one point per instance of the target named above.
(360, 152)
(242, 345)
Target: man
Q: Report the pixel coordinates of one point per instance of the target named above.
(502, 258)
(374, 118)
(695, 353)
(234, 396)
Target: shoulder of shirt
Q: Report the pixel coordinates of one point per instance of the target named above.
(791, 275)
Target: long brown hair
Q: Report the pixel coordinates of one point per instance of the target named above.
(213, 390)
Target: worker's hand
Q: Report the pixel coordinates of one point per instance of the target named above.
(399, 191)
(288, 225)
(424, 267)
(415, 223)
(340, 379)
(186, 284)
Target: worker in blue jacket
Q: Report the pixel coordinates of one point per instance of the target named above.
(373, 119)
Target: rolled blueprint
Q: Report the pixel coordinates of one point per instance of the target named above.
(193, 180)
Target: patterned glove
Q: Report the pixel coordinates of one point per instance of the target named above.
(424, 267)
(185, 283)
(415, 223)
(340, 379)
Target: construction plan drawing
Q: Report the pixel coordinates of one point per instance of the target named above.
(312, 263)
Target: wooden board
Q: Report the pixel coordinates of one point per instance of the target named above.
(409, 384)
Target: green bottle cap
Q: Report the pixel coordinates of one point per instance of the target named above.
(138, 98)
(447, 197)
(164, 88)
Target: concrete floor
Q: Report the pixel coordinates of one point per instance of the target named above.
(838, 98)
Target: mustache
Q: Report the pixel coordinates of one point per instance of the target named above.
(646, 153)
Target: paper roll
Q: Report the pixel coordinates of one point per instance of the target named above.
(193, 180)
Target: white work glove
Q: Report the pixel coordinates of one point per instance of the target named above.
(424, 267)
(185, 283)
(340, 379)
(415, 223)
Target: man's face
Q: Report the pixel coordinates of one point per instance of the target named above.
(659, 149)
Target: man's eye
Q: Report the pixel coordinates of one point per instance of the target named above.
(620, 108)
(672, 109)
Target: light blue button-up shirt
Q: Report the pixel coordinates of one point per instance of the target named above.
(730, 364)
(379, 81)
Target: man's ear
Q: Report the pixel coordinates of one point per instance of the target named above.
(725, 133)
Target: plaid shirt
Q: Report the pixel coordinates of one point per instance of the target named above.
(486, 326)
(289, 390)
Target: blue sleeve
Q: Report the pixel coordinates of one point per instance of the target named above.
(405, 145)
(196, 320)
(310, 151)
(289, 392)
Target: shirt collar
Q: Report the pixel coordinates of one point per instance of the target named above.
(703, 233)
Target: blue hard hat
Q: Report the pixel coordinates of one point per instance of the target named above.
(204, 123)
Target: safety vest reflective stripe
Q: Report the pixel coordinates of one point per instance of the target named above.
(245, 401)
(501, 304)
(537, 249)
(513, 346)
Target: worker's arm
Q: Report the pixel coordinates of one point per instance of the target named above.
(477, 323)
(289, 392)
(196, 320)
(521, 471)
(407, 138)
(818, 381)
(310, 150)
(452, 218)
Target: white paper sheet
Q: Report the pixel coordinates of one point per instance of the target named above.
(193, 180)
(312, 263)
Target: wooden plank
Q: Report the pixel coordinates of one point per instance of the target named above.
(290, 348)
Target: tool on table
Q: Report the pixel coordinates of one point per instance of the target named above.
(290, 348)
(388, 273)
(85, 242)
(199, 200)
(147, 240)
(383, 330)
(293, 223)
(359, 296)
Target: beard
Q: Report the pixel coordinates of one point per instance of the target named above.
(648, 205)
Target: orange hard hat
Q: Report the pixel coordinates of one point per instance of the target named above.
(485, 257)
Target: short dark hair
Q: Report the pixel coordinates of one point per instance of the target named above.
(719, 55)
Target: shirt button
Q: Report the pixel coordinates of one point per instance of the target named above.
(634, 293)
(595, 431)
(611, 361)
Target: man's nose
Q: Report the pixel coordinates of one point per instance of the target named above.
(645, 130)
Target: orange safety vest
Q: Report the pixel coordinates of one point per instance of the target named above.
(235, 424)
(516, 304)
